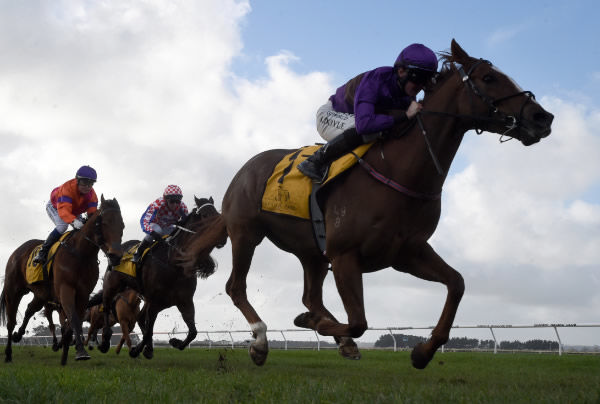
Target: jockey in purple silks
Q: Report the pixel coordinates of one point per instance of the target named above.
(160, 218)
(352, 116)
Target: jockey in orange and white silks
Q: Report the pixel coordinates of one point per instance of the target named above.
(161, 216)
(67, 204)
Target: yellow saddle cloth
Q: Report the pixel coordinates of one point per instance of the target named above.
(126, 266)
(288, 190)
(35, 272)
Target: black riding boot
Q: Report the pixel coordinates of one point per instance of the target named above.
(140, 250)
(42, 255)
(316, 165)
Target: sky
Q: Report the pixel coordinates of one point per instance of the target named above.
(151, 93)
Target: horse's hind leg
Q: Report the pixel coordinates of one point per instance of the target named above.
(188, 314)
(242, 251)
(312, 298)
(48, 313)
(9, 303)
(426, 264)
(33, 307)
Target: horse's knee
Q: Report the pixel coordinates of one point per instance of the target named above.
(456, 286)
(357, 329)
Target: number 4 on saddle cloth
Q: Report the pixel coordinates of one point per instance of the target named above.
(39, 272)
(289, 192)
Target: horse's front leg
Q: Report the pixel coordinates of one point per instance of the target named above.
(107, 298)
(188, 314)
(79, 347)
(347, 273)
(426, 264)
(73, 316)
(315, 271)
(146, 343)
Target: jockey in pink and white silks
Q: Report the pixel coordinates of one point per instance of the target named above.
(160, 217)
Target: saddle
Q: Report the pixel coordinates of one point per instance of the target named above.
(289, 192)
(41, 272)
(130, 268)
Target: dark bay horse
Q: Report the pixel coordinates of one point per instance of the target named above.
(167, 278)
(371, 225)
(73, 277)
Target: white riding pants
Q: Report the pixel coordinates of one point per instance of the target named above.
(52, 212)
(331, 123)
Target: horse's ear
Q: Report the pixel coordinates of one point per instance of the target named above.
(196, 200)
(211, 200)
(458, 53)
(102, 198)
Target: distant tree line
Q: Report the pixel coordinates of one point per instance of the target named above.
(409, 341)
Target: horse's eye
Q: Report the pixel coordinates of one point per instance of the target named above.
(489, 78)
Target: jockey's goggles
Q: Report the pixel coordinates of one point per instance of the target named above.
(418, 75)
(174, 198)
(86, 182)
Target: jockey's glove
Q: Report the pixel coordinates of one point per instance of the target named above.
(77, 224)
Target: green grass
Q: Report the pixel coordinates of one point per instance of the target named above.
(198, 375)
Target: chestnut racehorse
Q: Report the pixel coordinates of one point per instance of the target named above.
(72, 278)
(165, 278)
(380, 214)
(126, 310)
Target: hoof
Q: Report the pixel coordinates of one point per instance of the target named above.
(305, 320)
(349, 350)
(104, 347)
(419, 357)
(258, 355)
(177, 343)
(148, 352)
(55, 347)
(134, 352)
(82, 356)
(16, 337)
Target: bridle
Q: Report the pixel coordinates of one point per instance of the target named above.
(511, 122)
(98, 240)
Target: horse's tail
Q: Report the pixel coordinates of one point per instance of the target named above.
(95, 300)
(211, 236)
(2, 309)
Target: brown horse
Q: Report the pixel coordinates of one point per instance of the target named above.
(126, 310)
(371, 224)
(72, 278)
(166, 279)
